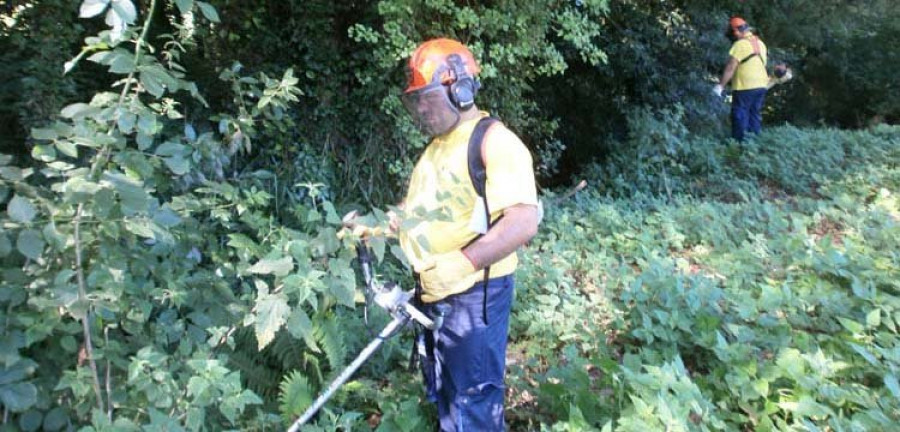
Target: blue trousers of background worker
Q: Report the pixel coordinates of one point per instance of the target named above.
(463, 363)
(746, 112)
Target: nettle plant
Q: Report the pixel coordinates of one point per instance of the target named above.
(135, 252)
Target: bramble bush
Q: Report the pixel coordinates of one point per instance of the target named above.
(147, 274)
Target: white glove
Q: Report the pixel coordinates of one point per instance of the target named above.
(718, 89)
(784, 78)
(787, 76)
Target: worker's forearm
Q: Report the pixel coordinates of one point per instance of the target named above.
(726, 77)
(728, 73)
(517, 226)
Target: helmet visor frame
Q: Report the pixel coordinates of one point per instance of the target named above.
(431, 109)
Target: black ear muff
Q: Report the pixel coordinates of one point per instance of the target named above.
(464, 86)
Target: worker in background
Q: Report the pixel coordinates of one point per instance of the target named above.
(464, 253)
(746, 70)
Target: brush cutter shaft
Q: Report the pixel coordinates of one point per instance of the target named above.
(396, 302)
(388, 331)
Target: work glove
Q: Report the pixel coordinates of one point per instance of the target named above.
(786, 77)
(355, 228)
(446, 274)
(718, 89)
(775, 80)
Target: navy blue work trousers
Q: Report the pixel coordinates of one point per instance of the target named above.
(465, 360)
(746, 112)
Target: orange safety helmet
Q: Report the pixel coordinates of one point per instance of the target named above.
(429, 63)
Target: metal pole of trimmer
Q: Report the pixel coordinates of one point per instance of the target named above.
(367, 352)
(396, 302)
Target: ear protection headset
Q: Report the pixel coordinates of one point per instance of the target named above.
(464, 87)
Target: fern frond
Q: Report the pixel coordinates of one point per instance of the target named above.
(295, 395)
(287, 351)
(313, 362)
(332, 343)
(257, 375)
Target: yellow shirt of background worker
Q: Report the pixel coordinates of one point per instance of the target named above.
(443, 222)
(752, 73)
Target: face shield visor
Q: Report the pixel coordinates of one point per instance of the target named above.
(431, 109)
(729, 33)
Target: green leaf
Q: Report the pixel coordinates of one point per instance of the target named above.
(301, 327)
(126, 121)
(169, 148)
(278, 267)
(157, 80)
(77, 110)
(184, 6)
(195, 418)
(890, 381)
(125, 10)
(44, 153)
(5, 245)
(166, 217)
(139, 226)
(54, 238)
(148, 125)
(131, 193)
(178, 165)
(121, 62)
(56, 419)
(18, 397)
(792, 363)
(271, 311)
(117, 25)
(67, 148)
(331, 215)
(144, 140)
(92, 8)
(20, 209)
(197, 386)
(852, 326)
(208, 11)
(31, 421)
(152, 83)
(806, 407)
(81, 186)
(43, 134)
(873, 318)
(343, 290)
(14, 174)
(18, 371)
(861, 350)
(30, 244)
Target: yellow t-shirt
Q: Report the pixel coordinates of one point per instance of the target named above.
(441, 200)
(752, 73)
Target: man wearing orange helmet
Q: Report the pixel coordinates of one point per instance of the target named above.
(747, 66)
(461, 238)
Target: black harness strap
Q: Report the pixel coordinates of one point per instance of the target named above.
(756, 52)
(478, 176)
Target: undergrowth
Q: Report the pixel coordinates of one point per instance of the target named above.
(770, 303)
